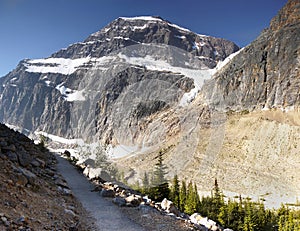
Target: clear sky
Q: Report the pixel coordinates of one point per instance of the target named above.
(38, 28)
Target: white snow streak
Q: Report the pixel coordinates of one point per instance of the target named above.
(59, 139)
(145, 18)
(221, 64)
(55, 65)
(62, 65)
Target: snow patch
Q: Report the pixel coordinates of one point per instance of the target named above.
(64, 66)
(196, 46)
(55, 65)
(119, 37)
(69, 94)
(199, 76)
(223, 63)
(179, 27)
(76, 96)
(60, 139)
(139, 27)
(145, 18)
(48, 83)
(180, 36)
(122, 150)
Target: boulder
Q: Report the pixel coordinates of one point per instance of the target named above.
(35, 163)
(41, 162)
(12, 156)
(107, 193)
(3, 144)
(96, 173)
(133, 200)
(24, 158)
(146, 209)
(119, 201)
(197, 219)
(21, 180)
(61, 182)
(10, 148)
(169, 207)
(31, 177)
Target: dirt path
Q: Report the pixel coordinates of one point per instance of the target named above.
(107, 215)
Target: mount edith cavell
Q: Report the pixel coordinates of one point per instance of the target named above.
(143, 87)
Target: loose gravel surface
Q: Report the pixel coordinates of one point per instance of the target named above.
(107, 216)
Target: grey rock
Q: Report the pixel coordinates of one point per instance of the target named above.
(265, 74)
(107, 193)
(5, 221)
(70, 212)
(11, 147)
(61, 182)
(12, 156)
(31, 177)
(24, 158)
(119, 201)
(41, 162)
(21, 180)
(146, 209)
(35, 163)
(3, 144)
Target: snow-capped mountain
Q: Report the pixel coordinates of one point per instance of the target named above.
(124, 54)
(143, 85)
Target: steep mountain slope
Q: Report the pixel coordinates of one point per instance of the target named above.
(33, 195)
(85, 84)
(266, 73)
(243, 129)
(136, 84)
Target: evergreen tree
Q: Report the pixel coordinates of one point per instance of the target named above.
(192, 199)
(261, 218)
(175, 192)
(230, 215)
(146, 183)
(189, 206)
(197, 198)
(217, 201)
(248, 223)
(182, 195)
(161, 186)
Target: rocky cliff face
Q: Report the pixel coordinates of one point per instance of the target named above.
(265, 74)
(125, 32)
(83, 90)
(243, 129)
(33, 195)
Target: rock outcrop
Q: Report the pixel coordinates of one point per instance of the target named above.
(243, 128)
(266, 73)
(33, 195)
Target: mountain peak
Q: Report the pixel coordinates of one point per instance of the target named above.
(154, 19)
(127, 31)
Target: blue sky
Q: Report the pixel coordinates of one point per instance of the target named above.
(38, 28)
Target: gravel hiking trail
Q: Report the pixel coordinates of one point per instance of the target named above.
(107, 216)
